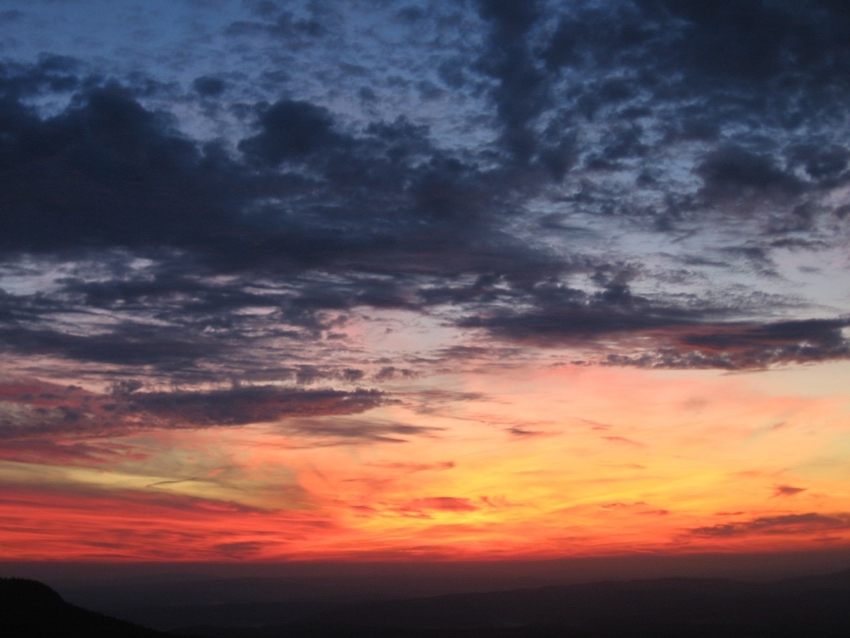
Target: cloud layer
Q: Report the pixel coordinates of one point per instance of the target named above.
(337, 224)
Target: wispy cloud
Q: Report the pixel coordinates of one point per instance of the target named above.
(787, 490)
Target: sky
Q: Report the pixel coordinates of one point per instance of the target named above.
(400, 280)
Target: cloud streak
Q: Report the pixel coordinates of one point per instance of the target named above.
(786, 524)
(54, 411)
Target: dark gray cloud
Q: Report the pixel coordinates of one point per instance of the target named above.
(107, 172)
(785, 524)
(823, 333)
(760, 345)
(734, 173)
(209, 86)
(640, 68)
(290, 130)
(681, 336)
(129, 344)
(50, 73)
(757, 40)
(590, 121)
(30, 411)
(519, 92)
(104, 173)
(251, 404)
(525, 433)
(578, 316)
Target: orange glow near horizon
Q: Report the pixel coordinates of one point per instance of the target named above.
(524, 463)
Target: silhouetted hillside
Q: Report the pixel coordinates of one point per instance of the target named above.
(812, 607)
(29, 609)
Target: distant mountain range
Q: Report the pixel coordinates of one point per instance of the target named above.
(30, 609)
(810, 607)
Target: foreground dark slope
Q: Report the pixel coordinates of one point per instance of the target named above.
(672, 607)
(812, 607)
(29, 609)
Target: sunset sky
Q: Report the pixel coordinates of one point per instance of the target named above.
(400, 280)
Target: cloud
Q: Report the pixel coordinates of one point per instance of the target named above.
(242, 549)
(560, 323)
(787, 490)
(821, 163)
(758, 346)
(755, 40)
(104, 172)
(623, 441)
(414, 467)
(786, 524)
(670, 336)
(129, 344)
(565, 124)
(525, 433)
(53, 410)
(338, 431)
(154, 504)
(735, 173)
(252, 404)
(518, 95)
(209, 86)
(46, 451)
(443, 504)
(618, 505)
(290, 130)
(387, 373)
(825, 333)
(277, 24)
(223, 227)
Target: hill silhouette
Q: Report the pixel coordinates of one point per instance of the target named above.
(30, 609)
(685, 607)
(811, 607)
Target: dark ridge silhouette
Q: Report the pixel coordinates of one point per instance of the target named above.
(811, 607)
(30, 609)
